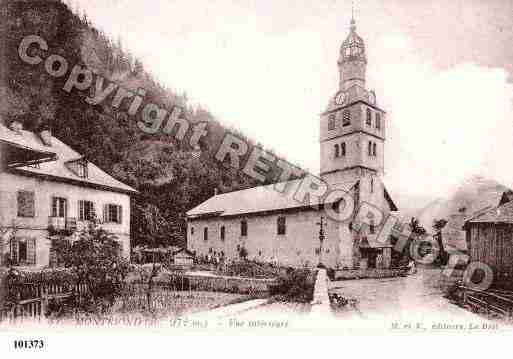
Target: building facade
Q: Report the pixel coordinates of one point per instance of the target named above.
(271, 226)
(49, 191)
(489, 237)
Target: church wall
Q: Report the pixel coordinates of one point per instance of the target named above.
(296, 248)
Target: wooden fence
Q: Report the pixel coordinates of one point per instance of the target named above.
(492, 303)
(31, 299)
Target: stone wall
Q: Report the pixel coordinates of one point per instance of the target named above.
(321, 300)
(213, 283)
(369, 273)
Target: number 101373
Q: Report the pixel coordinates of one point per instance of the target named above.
(29, 344)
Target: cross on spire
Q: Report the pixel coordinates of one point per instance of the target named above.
(353, 23)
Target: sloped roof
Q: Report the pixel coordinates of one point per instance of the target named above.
(57, 169)
(499, 214)
(22, 149)
(254, 200)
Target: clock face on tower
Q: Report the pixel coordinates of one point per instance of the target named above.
(340, 98)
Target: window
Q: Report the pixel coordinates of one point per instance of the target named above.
(368, 121)
(243, 228)
(337, 150)
(112, 213)
(343, 149)
(331, 122)
(79, 167)
(192, 231)
(374, 149)
(205, 234)
(346, 118)
(82, 169)
(372, 185)
(26, 204)
(372, 227)
(86, 211)
(23, 251)
(378, 121)
(369, 148)
(222, 234)
(281, 225)
(59, 207)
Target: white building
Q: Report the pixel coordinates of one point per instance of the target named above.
(48, 189)
(272, 226)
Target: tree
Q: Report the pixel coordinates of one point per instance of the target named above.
(95, 260)
(416, 227)
(243, 253)
(8, 257)
(438, 225)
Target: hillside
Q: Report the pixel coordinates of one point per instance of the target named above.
(170, 175)
(472, 195)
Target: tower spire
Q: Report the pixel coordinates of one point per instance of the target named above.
(353, 23)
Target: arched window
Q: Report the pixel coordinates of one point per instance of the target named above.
(331, 122)
(281, 225)
(369, 148)
(337, 150)
(343, 149)
(222, 234)
(346, 118)
(205, 234)
(378, 121)
(368, 121)
(374, 149)
(243, 228)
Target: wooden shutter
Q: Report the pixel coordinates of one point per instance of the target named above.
(26, 204)
(14, 250)
(105, 213)
(81, 210)
(120, 214)
(31, 251)
(54, 207)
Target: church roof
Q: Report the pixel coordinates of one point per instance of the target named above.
(255, 200)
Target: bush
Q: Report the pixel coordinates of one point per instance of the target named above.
(94, 260)
(297, 285)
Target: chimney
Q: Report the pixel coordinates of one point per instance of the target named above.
(16, 126)
(46, 137)
(215, 191)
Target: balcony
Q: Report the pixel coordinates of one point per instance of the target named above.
(62, 225)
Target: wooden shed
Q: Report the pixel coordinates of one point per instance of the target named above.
(489, 237)
(183, 257)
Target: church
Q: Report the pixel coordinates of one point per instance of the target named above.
(267, 225)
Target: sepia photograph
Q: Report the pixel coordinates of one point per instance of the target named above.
(254, 168)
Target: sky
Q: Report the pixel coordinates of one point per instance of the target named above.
(442, 70)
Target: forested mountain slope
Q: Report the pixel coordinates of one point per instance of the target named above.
(171, 176)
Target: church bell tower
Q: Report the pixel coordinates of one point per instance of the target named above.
(352, 133)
